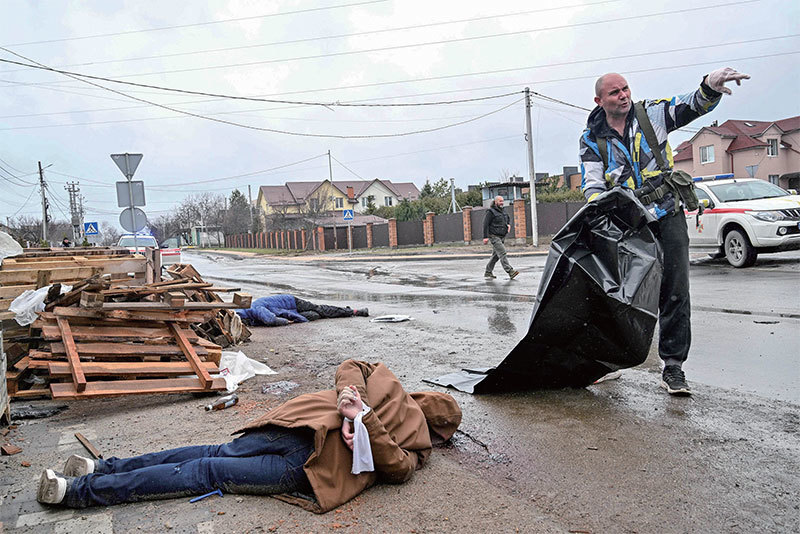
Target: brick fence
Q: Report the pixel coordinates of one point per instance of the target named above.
(447, 228)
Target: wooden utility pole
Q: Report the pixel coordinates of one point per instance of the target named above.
(330, 174)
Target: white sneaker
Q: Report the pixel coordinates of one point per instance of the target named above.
(613, 375)
(52, 488)
(77, 466)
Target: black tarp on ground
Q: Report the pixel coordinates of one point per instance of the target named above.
(596, 308)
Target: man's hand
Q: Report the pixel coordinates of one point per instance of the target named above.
(485, 240)
(718, 78)
(349, 403)
(348, 433)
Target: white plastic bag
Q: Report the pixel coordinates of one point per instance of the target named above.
(236, 367)
(29, 302)
(8, 247)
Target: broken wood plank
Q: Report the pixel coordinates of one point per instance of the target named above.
(91, 300)
(130, 369)
(183, 316)
(166, 306)
(191, 355)
(112, 350)
(113, 333)
(88, 445)
(73, 359)
(9, 449)
(116, 388)
(175, 298)
(242, 300)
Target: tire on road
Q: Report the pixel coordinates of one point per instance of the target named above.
(738, 250)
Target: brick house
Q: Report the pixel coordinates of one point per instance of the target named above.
(768, 151)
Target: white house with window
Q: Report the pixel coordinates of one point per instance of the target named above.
(384, 193)
(769, 151)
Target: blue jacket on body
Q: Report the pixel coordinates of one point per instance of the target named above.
(276, 310)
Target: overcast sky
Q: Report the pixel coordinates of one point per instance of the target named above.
(350, 51)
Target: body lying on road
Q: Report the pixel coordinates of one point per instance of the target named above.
(318, 450)
(279, 310)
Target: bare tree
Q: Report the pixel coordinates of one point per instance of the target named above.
(109, 234)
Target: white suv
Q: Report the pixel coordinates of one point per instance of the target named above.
(169, 256)
(744, 217)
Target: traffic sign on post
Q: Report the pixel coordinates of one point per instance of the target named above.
(348, 215)
(133, 220)
(127, 163)
(90, 228)
(123, 194)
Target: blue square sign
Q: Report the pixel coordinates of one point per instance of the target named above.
(90, 228)
(348, 215)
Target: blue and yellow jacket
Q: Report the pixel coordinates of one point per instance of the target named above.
(630, 158)
(275, 310)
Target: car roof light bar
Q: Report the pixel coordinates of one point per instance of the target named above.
(712, 177)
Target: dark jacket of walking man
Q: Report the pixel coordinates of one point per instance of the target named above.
(617, 149)
(496, 226)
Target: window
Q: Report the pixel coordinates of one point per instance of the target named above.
(313, 204)
(338, 203)
(772, 148)
(707, 154)
(387, 201)
(364, 202)
(774, 179)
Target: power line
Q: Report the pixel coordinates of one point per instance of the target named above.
(25, 203)
(432, 78)
(273, 130)
(351, 171)
(400, 47)
(207, 23)
(328, 37)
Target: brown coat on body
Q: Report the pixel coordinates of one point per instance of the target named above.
(398, 426)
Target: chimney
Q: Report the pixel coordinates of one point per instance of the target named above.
(350, 193)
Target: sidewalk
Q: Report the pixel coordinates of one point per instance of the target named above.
(441, 252)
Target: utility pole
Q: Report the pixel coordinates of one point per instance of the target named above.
(250, 196)
(330, 174)
(454, 207)
(44, 202)
(531, 172)
(74, 210)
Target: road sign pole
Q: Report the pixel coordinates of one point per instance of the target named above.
(349, 237)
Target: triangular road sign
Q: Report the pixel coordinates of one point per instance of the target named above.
(127, 163)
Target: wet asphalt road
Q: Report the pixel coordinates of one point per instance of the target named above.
(746, 322)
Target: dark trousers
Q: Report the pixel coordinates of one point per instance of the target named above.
(261, 462)
(674, 307)
(312, 311)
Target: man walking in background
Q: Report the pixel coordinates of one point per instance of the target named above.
(496, 226)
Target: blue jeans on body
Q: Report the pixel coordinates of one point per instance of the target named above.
(261, 462)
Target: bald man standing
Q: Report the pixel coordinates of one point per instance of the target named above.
(625, 144)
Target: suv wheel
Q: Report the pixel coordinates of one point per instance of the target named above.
(738, 250)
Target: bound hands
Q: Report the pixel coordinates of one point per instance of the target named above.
(349, 405)
(718, 78)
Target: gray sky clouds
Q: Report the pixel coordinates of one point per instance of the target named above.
(376, 52)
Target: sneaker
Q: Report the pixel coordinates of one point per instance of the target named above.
(489, 275)
(52, 488)
(513, 274)
(613, 375)
(362, 312)
(77, 466)
(674, 381)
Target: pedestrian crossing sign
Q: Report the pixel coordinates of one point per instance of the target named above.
(90, 228)
(348, 215)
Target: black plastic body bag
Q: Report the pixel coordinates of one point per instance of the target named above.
(597, 304)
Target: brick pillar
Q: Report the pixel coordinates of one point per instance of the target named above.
(369, 235)
(466, 222)
(303, 238)
(297, 239)
(519, 220)
(275, 239)
(321, 237)
(427, 228)
(393, 232)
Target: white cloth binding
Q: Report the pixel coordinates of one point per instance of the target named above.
(362, 450)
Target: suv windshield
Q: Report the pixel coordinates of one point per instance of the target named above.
(749, 190)
(141, 241)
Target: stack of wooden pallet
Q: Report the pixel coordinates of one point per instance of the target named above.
(107, 339)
